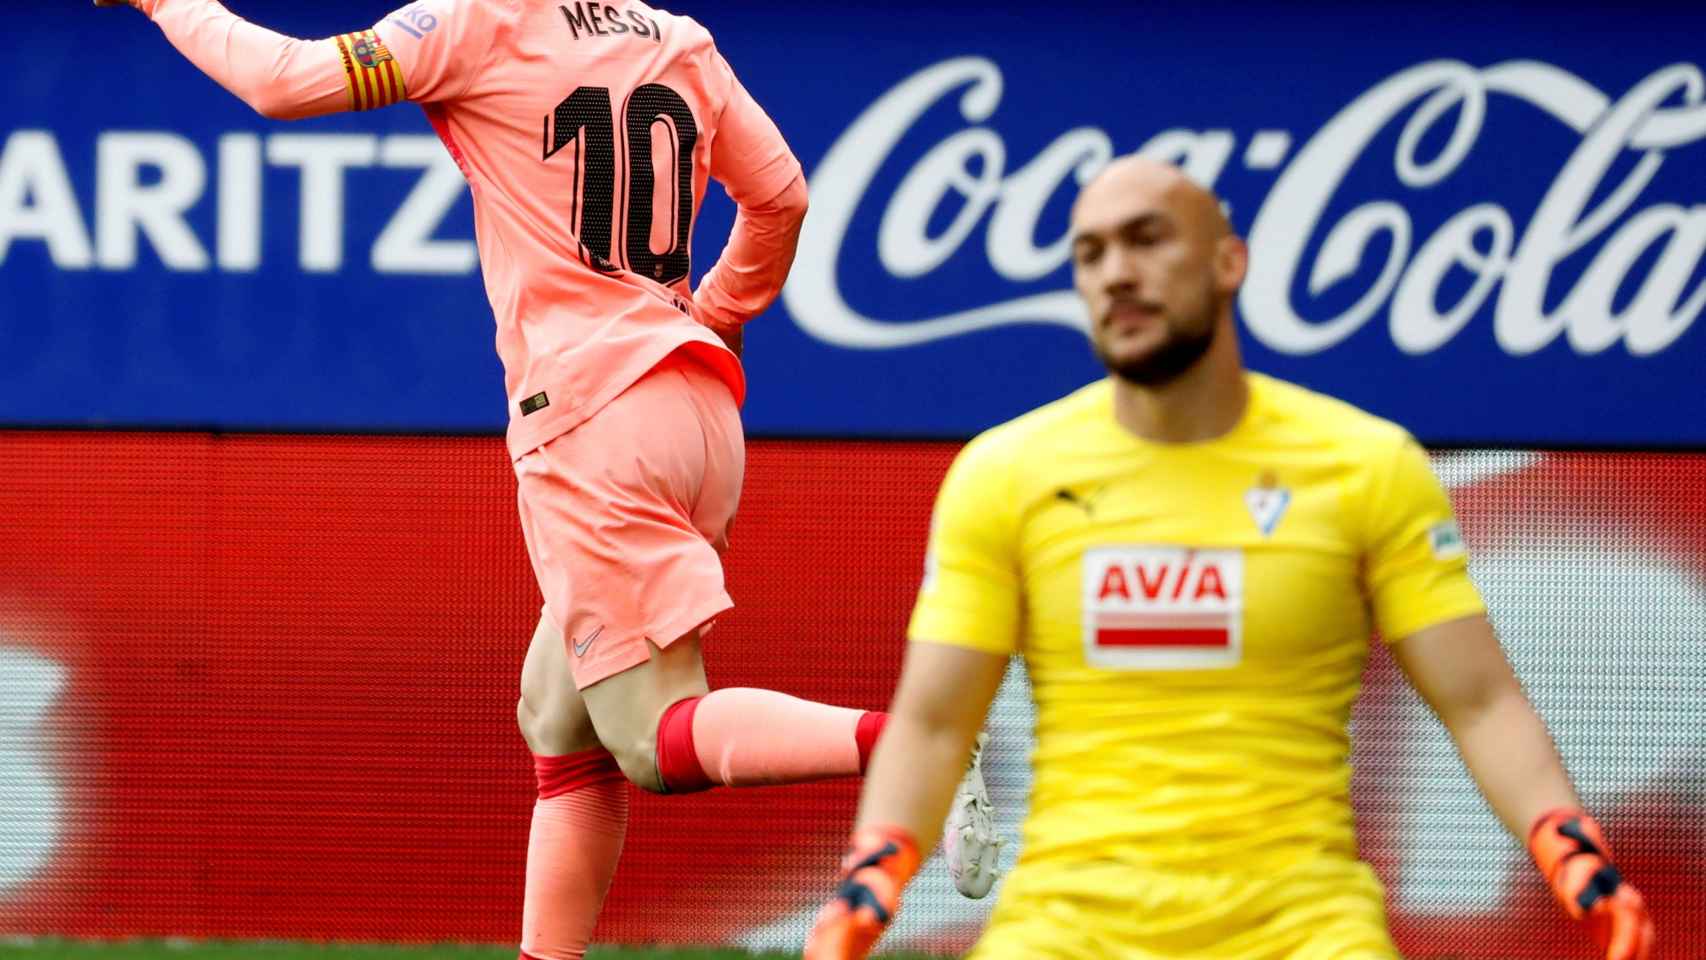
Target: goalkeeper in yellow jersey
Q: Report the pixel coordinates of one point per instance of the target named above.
(1191, 559)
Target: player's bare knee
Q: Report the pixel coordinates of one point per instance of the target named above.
(527, 721)
(553, 728)
(639, 764)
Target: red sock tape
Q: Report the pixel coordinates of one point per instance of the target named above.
(869, 729)
(678, 758)
(572, 771)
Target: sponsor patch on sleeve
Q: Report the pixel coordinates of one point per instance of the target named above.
(374, 77)
(1446, 540)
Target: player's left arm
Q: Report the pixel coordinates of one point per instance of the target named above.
(1460, 670)
(944, 693)
(285, 78)
(964, 630)
(752, 161)
(1425, 604)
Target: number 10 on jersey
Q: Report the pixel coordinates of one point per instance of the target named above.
(585, 118)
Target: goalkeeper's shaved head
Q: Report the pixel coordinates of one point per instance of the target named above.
(1157, 263)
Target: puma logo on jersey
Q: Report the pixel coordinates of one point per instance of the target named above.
(1163, 607)
(1084, 502)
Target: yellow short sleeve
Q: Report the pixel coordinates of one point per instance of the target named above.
(1417, 570)
(971, 592)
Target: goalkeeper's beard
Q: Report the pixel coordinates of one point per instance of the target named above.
(1185, 345)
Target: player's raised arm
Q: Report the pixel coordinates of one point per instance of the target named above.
(286, 78)
(752, 161)
(280, 77)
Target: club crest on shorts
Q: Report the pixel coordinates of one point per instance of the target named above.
(1163, 607)
(1266, 502)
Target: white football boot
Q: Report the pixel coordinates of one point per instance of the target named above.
(969, 844)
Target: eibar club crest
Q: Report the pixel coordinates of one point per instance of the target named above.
(1266, 502)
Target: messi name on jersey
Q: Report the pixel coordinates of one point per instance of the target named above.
(1163, 607)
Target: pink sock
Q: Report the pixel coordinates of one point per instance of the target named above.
(740, 737)
(578, 825)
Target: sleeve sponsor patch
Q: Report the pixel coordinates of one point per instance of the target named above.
(1446, 540)
(374, 77)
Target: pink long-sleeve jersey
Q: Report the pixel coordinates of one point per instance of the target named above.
(586, 132)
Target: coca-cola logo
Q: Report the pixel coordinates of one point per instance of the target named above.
(1591, 205)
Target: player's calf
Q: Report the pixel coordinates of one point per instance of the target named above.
(671, 736)
(742, 737)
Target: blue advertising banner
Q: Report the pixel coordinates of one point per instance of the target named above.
(1489, 228)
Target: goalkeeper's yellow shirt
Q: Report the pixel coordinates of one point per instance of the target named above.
(1194, 619)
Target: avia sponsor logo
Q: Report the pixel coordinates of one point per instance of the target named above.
(1633, 258)
(1163, 607)
(147, 183)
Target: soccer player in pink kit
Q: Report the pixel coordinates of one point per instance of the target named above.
(587, 132)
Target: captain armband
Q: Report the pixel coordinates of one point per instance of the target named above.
(373, 76)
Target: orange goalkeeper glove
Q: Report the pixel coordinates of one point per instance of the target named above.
(879, 862)
(1570, 850)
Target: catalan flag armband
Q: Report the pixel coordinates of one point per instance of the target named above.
(375, 78)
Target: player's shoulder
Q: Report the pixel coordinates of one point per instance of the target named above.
(681, 37)
(702, 75)
(482, 24)
(682, 31)
(1320, 419)
(1032, 436)
(1000, 470)
(487, 9)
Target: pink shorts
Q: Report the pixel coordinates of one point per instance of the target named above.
(627, 514)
